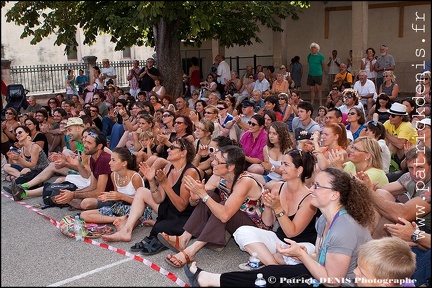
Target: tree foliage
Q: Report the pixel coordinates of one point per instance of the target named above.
(159, 24)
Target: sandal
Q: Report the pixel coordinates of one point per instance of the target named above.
(153, 247)
(140, 245)
(9, 178)
(94, 231)
(177, 262)
(172, 245)
(192, 277)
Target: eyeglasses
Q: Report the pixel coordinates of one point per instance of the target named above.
(166, 115)
(177, 122)
(424, 78)
(221, 108)
(19, 132)
(212, 150)
(252, 124)
(352, 113)
(316, 186)
(217, 161)
(172, 147)
(9, 113)
(357, 149)
(207, 112)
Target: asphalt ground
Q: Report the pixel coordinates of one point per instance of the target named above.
(35, 253)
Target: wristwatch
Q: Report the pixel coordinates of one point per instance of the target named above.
(415, 236)
(205, 198)
(280, 214)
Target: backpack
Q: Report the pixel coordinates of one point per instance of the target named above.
(53, 189)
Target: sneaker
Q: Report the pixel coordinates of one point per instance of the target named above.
(18, 194)
(13, 187)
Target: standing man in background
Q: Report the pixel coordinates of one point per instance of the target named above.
(316, 68)
(223, 72)
(147, 75)
(133, 78)
(82, 81)
(333, 65)
(384, 62)
(108, 73)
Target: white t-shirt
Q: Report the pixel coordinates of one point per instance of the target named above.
(367, 68)
(367, 88)
(109, 72)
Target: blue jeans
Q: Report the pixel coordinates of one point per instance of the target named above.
(107, 125)
(116, 134)
(423, 266)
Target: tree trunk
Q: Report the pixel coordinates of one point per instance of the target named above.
(169, 57)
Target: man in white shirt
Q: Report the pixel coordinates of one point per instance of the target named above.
(366, 89)
(108, 72)
(333, 65)
(262, 83)
(223, 72)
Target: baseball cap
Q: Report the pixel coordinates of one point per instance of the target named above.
(247, 103)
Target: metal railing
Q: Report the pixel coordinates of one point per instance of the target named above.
(52, 78)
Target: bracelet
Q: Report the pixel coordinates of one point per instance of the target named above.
(280, 214)
(154, 191)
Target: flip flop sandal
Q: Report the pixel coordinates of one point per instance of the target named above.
(153, 247)
(173, 246)
(139, 246)
(169, 258)
(192, 277)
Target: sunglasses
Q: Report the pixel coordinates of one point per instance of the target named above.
(9, 113)
(252, 124)
(393, 115)
(94, 135)
(212, 150)
(207, 112)
(349, 96)
(119, 106)
(424, 78)
(166, 115)
(95, 98)
(52, 102)
(281, 98)
(28, 124)
(178, 122)
(352, 113)
(19, 132)
(221, 108)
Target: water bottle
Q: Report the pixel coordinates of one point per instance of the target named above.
(78, 228)
(254, 261)
(260, 281)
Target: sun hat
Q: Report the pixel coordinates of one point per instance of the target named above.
(425, 121)
(397, 109)
(73, 121)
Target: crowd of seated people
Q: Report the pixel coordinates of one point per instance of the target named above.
(260, 170)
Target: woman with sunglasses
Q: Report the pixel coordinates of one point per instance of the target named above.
(145, 124)
(253, 142)
(288, 197)
(37, 136)
(211, 113)
(423, 90)
(8, 126)
(364, 154)
(389, 86)
(53, 103)
(229, 199)
(356, 120)
(351, 99)
(347, 212)
(167, 195)
(376, 130)
(29, 157)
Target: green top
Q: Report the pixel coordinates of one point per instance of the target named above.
(315, 64)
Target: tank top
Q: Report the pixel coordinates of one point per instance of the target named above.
(357, 132)
(42, 162)
(276, 163)
(252, 208)
(129, 189)
(195, 78)
(387, 90)
(309, 233)
(197, 148)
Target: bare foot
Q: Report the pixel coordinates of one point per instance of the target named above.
(119, 236)
(149, 223)
(119, 222)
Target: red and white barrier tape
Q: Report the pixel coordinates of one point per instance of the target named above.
(138, 258)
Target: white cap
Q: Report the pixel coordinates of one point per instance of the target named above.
(425, 121)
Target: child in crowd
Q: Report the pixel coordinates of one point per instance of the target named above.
(320, 118)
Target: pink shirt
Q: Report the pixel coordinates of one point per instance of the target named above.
(253, 148)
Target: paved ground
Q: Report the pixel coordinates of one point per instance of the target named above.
(35, 253)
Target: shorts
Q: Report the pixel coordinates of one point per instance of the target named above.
(267, 178)
(101, 204)
(314, 80)
(119, 208)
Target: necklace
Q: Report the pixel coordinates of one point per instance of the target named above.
(122, 180)
(178, 170)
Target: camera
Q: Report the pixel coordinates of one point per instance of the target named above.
(301, 134)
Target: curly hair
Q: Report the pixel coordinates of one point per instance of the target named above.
(282, 131)
(354, 195)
